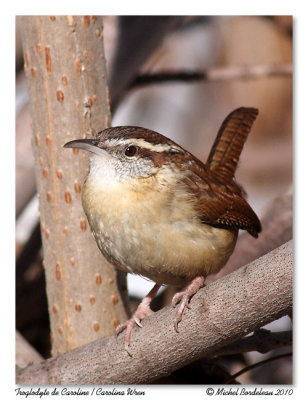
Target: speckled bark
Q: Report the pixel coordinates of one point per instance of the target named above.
(65, 69)
(220, 313)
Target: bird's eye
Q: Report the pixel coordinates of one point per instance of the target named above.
(130, 151)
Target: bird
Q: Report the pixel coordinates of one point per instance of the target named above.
(158, 211)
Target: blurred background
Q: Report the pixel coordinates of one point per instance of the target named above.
(190, 113)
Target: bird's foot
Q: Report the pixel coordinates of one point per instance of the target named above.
(184, 298)
(143, 310)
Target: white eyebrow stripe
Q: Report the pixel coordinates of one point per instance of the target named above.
(159, 148)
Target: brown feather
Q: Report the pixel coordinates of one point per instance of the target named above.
(230, 140)
(220, 203)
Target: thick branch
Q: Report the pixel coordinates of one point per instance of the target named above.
(220, 313)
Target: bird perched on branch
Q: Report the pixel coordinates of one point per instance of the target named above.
(157, 211)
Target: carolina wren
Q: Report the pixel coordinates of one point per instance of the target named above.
(157, 211)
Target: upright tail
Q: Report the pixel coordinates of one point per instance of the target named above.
(230, 140)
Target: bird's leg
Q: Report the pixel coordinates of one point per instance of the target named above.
(185, 296)
(143, 310)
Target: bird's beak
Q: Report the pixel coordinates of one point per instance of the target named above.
(92, 145)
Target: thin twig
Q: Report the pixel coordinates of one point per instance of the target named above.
(262, 341)
(236, 72)
(258, 364)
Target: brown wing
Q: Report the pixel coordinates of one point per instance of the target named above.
(230, 140)
(221, 204)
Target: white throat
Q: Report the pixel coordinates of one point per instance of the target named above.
(103, 170)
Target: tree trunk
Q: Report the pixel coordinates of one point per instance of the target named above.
(65, 69)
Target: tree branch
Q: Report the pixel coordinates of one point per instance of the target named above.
(138, 37)
(220, 313)
(240, 72)
(25, 353)
(255, 365)
(262, 341)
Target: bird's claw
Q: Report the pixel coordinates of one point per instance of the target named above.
(184, 299)
(184, 303)
(138, 322)
(142, 311)
(120, 328)
(126, 347)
